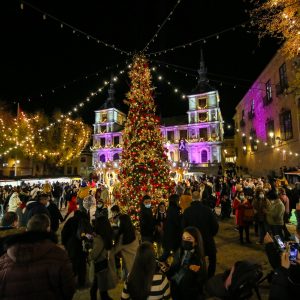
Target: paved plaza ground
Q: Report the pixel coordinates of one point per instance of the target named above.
(229, 251)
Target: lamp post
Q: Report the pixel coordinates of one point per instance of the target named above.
(16, 166)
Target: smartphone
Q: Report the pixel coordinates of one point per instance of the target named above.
(293, 252)
(279, 242)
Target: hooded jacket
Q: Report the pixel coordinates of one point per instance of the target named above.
(34, 267)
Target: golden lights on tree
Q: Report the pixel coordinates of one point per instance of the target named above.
(57, 144)
(144, 165)
(280, 19)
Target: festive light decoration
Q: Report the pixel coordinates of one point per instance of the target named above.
(168, 18)
(75, 30)
(280, 19)
(56, 145)
(144, 166)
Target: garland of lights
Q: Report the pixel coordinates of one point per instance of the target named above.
(144, 166)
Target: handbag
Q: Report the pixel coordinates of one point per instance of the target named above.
(248, 215)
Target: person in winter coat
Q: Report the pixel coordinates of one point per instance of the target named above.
(34, 207)
(34, 267)
(71, 237)
(146, 220)
(82, 193)
(160, 217)
(260, 206)
(200, 216)
(72, 202)
(286, 202)
(146, 281)
(104, 275)
(55, 215)
(173, 230)
(188, 270)
(14, 200)
(275, 214)
(241, 204)
(126, 242)
(186, 199)
(9, 226)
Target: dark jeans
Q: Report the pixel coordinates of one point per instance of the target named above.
(212, 262)
(261, 230)
(241, 230)
(94, 289)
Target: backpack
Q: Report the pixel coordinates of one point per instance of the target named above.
(245, 278)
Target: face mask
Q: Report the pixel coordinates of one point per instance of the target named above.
(99, 205)
(261, 196)
(147, 205)
(187, 245)
(48, 203)
(242, 197)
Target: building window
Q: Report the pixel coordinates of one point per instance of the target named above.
(102, 129)
(253, 139)
(116, 140)
(251, 113)
(204, 157)
(183, 134)
(203, 133)
(203, 117)
(102, 142)
(75, 171)
(283, 76)
(268, 98)
(170, 136)
(270, 135)
(202, 103)
(286, 127)
(192, 118)
(104, 117)
(102, 158)
(243, 114)
(116, 156)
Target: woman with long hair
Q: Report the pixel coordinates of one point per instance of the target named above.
(126, 241)
(104, 276)
(188, 270)
(145, 281)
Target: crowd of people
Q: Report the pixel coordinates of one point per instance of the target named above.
(56, 238)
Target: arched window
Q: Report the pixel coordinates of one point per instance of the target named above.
(116, 156)
(102, 158)
(172, 155)
(204, 156)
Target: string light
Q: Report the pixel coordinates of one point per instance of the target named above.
(74, 29)
(168, 18)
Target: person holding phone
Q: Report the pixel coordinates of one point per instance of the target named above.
(286, 264)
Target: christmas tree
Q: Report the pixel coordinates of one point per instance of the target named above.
(144, 167)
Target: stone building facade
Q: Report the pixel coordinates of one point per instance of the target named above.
(267, 120)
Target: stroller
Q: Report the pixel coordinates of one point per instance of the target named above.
(244, 280)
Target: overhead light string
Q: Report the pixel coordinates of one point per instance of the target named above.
(74, 29)
(160, 26)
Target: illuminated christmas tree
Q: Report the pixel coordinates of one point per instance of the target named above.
(144, 166)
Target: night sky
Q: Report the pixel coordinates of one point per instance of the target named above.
(38, 55)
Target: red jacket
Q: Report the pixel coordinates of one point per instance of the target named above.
(239, 210)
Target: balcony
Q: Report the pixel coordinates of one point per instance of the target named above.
(242, 123)
(251, 115)
(281, 87)
(267, 100)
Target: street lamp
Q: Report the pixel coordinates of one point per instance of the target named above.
(16, 166)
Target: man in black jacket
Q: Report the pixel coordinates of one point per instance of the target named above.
(146, 220)
(202, 217)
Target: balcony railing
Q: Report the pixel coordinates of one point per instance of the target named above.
(267, 100)
(281, 87)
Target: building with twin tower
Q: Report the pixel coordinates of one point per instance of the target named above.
(193, 141)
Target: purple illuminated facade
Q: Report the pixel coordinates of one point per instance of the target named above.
(267, 122)
(192, 140)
